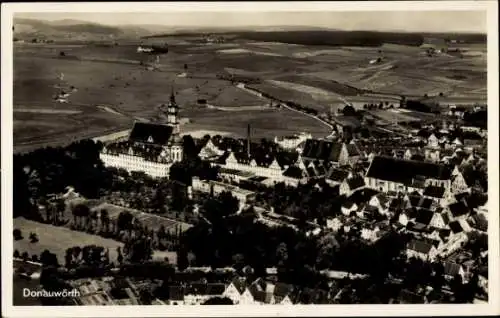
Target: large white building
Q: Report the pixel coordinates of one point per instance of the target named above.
(292, 142)
(150, 148)
(392, 174)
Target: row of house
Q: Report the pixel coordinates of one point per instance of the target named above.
(238, 290)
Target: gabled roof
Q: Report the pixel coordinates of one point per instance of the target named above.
(262, 296)
(414, 200)
(355, 182)
(348, 204)
(150, 133)
(352, 150)
(446, 218)
(325, 150)
(434, 191)
(455, 227)
(420, 246)
(239, 284)
(406, 171)
(451, 269)
(479, 222)
(294, 172)
(338, 175)
(382, 198)
(425, 203)
(424, 216)
(444, 234)
(458, 209)
(397, 204)
(369, 209)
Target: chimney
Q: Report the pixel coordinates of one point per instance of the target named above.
(248, 141)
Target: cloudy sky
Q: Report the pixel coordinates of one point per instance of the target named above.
(424, 21)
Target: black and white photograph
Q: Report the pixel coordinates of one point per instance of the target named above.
(264, 155)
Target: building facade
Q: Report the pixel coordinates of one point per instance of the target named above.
(150, 148)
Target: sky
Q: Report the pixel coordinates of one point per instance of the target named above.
(410, 21)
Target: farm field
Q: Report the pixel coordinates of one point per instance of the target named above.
(57, 239)
(264, 123)
(318, 77)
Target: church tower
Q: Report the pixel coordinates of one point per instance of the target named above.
(172, 114)
(176, 148)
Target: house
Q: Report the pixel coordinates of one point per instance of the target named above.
(233, 175)
(330, 152)
(451, 269)
(440, 220)
(380, 201)
(424, 217)
(435, 193)
(368, 212)
(176, 295)
(262, 291)
(209, 151)
(294, 175)
(198, 293)
(457, 210)
(352, 184)
(421, 249)
(397, 205)
(348, 208)
(238, 292)
(407, 216)
(292, 142)
(390, 174)
(336, 176)
(282, 294)
(478, 222)
(334, 223)
(458, 182)
(370, 232)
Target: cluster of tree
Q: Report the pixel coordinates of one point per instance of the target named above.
(304, 109)
(420, 106)
(49, 170)
(311, 204)
(185, 170)
(238, 78)
(89, 255)
(477, 119)
(380, 105)
(334, 38)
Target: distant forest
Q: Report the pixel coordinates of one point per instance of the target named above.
(341, 38)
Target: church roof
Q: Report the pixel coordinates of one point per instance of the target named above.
(405, 171)
(151, 133)
(326, 150)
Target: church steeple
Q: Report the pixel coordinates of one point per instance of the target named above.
(172, 96)
(172, 113)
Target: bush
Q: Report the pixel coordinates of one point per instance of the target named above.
(16, 254)
(18, 234)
